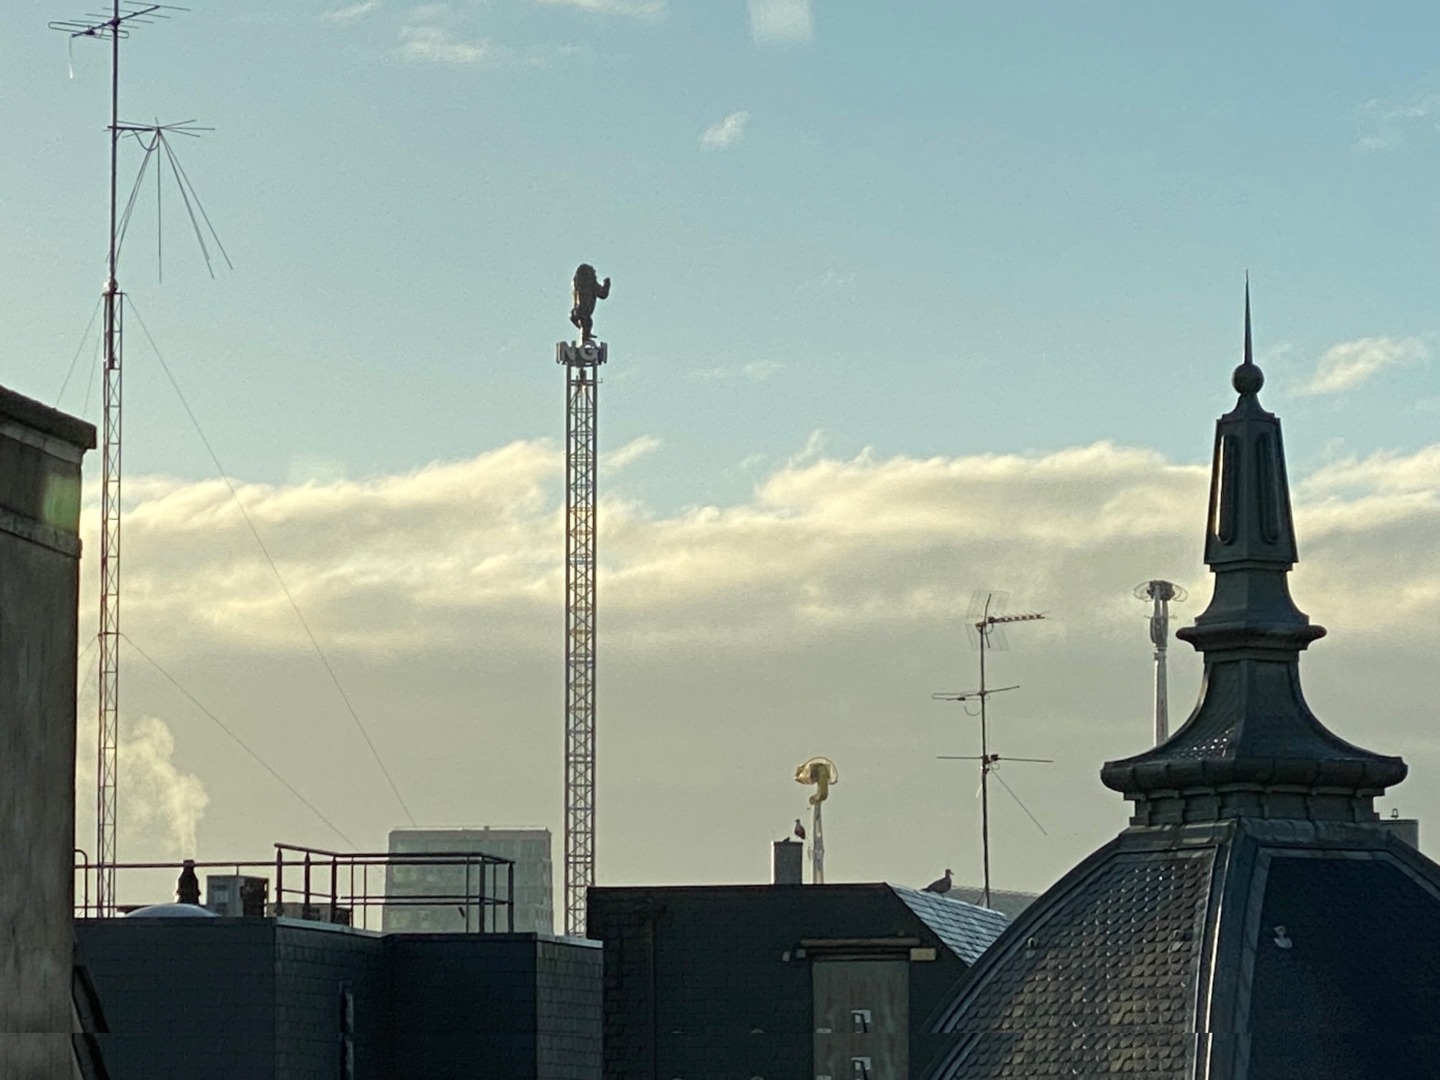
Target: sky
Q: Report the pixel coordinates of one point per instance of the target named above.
(909, 300)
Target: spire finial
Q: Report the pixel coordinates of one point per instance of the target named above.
(1248, 378)
(1249, 351)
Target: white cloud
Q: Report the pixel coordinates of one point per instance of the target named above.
(637, 448)
(781, 22)
(1385, 125)
(613, 7)
(727, 132)
(436, 44)
(352, 13)
(815, 615)
(755, 371)
(1350, 363)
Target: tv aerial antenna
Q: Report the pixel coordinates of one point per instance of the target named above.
(1161, 594)
(114, 27)
(985, 625)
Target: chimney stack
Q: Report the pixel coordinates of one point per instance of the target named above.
(788, 858)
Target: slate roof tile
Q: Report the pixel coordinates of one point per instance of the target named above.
(1102, 981)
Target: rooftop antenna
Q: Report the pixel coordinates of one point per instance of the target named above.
(114, 28)
(1161, 594)
(582, 360)
(985, 625)
(819, 773)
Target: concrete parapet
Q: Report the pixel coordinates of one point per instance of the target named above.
(40, 455)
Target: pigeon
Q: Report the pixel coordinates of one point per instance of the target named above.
(799, 830)
(939, 885)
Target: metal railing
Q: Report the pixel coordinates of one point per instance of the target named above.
(339, 887)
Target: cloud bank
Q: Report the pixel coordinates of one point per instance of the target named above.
(816, 616)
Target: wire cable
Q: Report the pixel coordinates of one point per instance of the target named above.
(995, 773)
(239, 741)
(314, 642)
(78, 350)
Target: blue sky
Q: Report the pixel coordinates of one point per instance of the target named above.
(942, 227)
(936, 230)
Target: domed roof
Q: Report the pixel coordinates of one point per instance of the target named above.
(172, 911)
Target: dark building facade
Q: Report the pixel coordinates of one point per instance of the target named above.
(40, 455)
(281, 999)
(782, 982)
(1255, 921)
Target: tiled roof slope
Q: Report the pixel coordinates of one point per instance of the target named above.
(966, 929)
(1350, 986)
(1096, 979)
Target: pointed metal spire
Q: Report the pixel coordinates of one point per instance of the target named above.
(1248, 378)
(1252, 747)
(1249, 349)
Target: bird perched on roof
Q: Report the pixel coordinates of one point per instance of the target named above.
(799, 830)
(187, 888)
(939, 885)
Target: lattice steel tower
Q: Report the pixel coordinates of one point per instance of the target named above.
(582, 384)
(113, 28)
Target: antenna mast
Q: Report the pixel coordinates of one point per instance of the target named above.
(1161, 593)
(582, 362)
(984, 628)
(113, 28)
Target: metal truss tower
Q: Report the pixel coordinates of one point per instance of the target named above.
(582, 383)
(107, 753)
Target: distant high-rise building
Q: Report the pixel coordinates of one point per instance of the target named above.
(529, 849)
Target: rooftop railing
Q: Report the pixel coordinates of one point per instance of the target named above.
(341, 887)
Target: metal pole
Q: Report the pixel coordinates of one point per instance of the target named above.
(817, 846)
(984, 763)
(1160, 634)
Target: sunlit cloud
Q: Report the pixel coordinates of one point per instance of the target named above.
(1350, 363)
(727, 132)
(781, 22)
(465, 537)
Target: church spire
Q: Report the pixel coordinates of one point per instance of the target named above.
(1252, 747)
